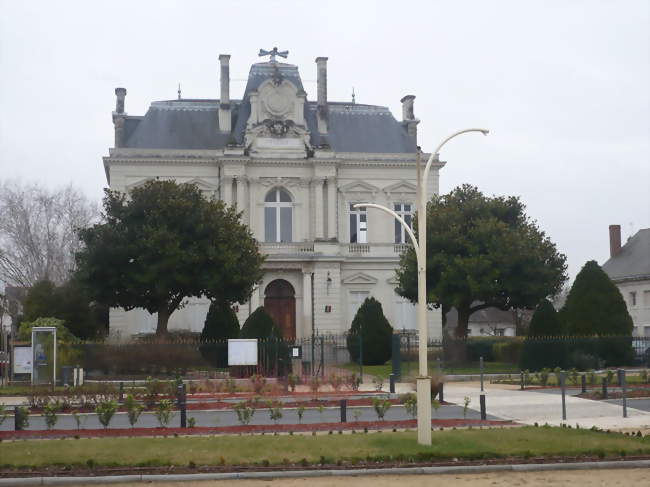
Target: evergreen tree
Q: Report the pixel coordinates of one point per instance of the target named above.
(545, 321)
(221, 323)
(543, 346)
(371, 326)
(259, 325)
(595, 306)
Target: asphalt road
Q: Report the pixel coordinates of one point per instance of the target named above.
(228, 418)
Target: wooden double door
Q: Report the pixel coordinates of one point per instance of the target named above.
(280, 303)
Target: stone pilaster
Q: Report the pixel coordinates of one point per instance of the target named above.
(226, 190)
(306, 304)
(318, 207)
(241, 196)
(332, 205)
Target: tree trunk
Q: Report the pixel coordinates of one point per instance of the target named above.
(163, 319)
(463, 321)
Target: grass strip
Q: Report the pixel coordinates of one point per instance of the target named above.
(297, 449)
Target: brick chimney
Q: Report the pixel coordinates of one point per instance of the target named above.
(224, 100)
(614, 240)
(321, 92)
(119, 116)
(408, 116)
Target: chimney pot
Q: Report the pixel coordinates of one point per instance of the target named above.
(407, 108)
(120, 94)
(321, 94)
(614, 240)
(224, 99)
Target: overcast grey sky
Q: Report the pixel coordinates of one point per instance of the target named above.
(562, 85)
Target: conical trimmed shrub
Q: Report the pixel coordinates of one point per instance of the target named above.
(371, 327)
(260, 325)
(544, 347)
(220, 324)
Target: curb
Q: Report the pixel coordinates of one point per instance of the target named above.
(530, 467)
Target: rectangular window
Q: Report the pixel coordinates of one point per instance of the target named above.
(404, 210)
(632, 299)
(358, 225)
(646, 299)
(270, 225)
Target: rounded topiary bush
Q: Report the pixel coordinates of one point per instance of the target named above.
(221, 323)
(371, 327)
(273, 352)
(259, 325)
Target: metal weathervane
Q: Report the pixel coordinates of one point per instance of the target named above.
(274, 52)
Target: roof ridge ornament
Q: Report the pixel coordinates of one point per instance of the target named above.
(273, 52)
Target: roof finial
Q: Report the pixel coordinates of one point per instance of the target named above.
(353, 95)
(273, 52)
(179, 91)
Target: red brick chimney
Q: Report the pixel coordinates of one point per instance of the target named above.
(614, 240)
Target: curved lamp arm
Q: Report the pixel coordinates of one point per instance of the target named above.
(397, 217)
(435, 153)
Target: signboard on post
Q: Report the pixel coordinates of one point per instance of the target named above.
(44, 355)
(242, 351)
(22, 360)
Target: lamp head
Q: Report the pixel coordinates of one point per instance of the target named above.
(485, 131)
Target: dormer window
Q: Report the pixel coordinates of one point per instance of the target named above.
(278, 216)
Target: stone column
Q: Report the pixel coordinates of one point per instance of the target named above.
(306, 303)
(255, 299)
(332, 205)
(226, 190)
(241, 196)
(318, 207)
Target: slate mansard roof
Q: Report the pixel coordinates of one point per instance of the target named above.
(633, 261)
(193, 124)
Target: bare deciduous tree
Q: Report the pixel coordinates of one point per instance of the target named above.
(38, 231)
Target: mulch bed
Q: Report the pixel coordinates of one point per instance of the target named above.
(78, 471)
(617, 394)
(240, 429)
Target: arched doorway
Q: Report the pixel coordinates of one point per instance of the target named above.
(280, 303)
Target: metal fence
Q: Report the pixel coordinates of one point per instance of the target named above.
(319, 354)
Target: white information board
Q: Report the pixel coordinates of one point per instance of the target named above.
(22, 360)
(242, 351)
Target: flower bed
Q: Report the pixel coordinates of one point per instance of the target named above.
(245, 429)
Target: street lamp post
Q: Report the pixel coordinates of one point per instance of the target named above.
(423, 381)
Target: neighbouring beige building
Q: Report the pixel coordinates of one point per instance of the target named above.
(294, 165)
(629, 268)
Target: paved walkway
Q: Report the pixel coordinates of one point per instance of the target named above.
(529, 407)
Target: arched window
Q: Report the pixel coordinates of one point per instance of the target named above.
(278, 216)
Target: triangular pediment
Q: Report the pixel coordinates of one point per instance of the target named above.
(392, 281)
(360, 278)
(359, 187)
(401, 187)
(201, 184)
(138, 183)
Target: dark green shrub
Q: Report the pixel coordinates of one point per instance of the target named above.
(220, 324)
(371, 326)
(259, 325)
(545, 346)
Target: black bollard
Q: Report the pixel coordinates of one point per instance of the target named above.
(391, 379)
(522, 385)
(604, 387)
(441, 395)
(622, 383)
(563, 387)
(182, 405)
(583, 381)
(344, 411)
(121, 399)
(17, 419)
(480, 362)
(483, 413)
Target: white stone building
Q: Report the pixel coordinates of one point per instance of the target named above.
(629, 268)
(294, 166)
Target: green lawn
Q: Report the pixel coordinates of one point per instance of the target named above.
(236, 450)
(410, 368)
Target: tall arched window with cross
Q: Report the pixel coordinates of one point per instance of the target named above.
(278, 216)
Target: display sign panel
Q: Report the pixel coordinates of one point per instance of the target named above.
(242, 351)
(22, 360)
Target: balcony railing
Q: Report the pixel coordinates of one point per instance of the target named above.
(287, 247)
(385, 250)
